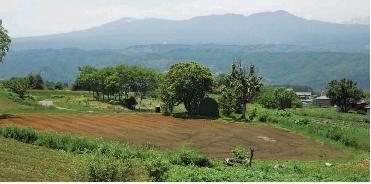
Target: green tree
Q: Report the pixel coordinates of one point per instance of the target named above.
(220, 80)
(35, 81)
(279, 97)
(344, 93)
(284, 98)
(143, 81)
(267, 98)
(187, 83)
(226, 102)
(58, 86)
(18, 85)
(245, 85)
(4, 41)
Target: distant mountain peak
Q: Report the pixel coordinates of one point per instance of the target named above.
(276, 27)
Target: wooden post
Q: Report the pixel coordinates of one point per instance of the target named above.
(251, 155)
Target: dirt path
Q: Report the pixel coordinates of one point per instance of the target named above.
(215, 139)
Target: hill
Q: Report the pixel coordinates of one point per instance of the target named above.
(279, 64)
(277, 27)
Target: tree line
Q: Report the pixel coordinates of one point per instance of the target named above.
(116, 83)
(21, 85)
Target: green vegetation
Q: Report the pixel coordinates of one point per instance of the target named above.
(280, 98)
(18, 85)
(26, 162)
(240, 153)
(116, 83)
(208, 108)
(185, 83)
(344, 93)
(242, 86)
(278, 64)
(4, 41)
(351, 134)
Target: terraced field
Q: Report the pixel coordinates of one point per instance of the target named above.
(213, 138)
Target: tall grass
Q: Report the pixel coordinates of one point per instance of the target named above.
(81, 145)
(26, 134)
(353, 136)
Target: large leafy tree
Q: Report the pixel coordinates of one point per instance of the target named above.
(344, 93)
(243, 85)
(187, 83)
(4, 41)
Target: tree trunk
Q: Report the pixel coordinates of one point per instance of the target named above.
(243, 113)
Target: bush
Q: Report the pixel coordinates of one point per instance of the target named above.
(240, 153)
(66, 142)
(157, 169)
(263, 117)
(109, 169)
(190, 157)
(253, 114)
(208, 108)
(23, 134)
(130, 103)
(280, 98)
(283, 113)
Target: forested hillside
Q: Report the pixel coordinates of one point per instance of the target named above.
(283, 64)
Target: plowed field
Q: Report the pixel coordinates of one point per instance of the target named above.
(213, 138)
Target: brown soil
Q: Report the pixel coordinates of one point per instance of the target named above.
(213, 138)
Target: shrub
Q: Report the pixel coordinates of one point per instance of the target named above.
(263, 116)
(23, 134)
(157, 169)
(208, 108)
(190, 157)
(108, 169)
(280, 98)
(253, 114)
(283, 113)
(66, 142)
(240, 153)
(130, 103)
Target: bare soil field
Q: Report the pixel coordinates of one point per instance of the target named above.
(216, 139)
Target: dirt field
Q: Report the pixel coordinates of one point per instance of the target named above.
(215, 139)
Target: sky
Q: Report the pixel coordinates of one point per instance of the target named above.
(40, 17)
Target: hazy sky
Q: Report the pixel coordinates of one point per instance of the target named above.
(39, 17)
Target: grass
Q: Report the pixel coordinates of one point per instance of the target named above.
(352, 134)
(331, 113)
(26, 162)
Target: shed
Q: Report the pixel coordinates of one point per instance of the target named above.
(303, 95)
(323, 101)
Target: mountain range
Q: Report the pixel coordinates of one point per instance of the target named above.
(279, 27)
(286, 49)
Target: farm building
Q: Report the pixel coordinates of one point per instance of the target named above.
(323, 101)
(303, 95)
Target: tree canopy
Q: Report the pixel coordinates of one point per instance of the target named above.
(242, 86)
(4, 41)
(117, 81)
(344, 93)
(187, 83)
